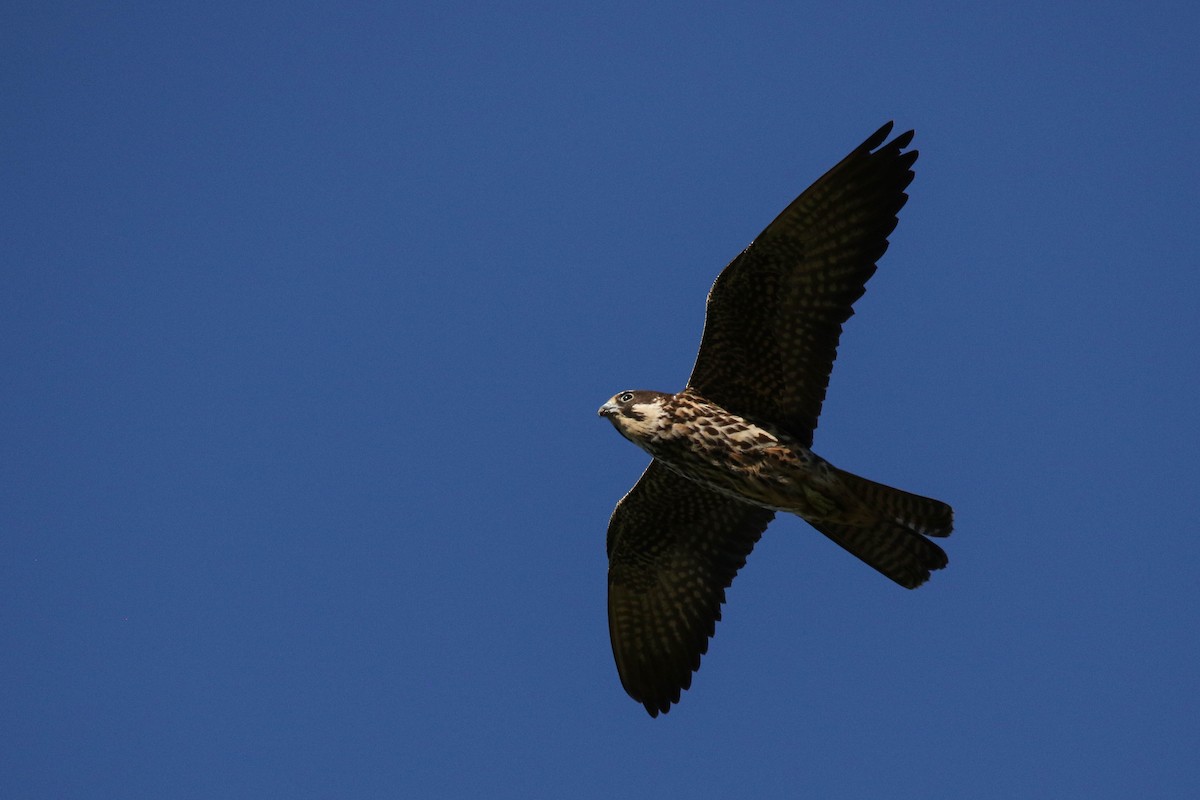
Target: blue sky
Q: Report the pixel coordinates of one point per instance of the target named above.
(309, 308)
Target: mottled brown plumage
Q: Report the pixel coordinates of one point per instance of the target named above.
(733, 447)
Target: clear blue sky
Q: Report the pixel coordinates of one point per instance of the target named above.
(308, 309)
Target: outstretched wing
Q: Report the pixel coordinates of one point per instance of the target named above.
(775, 314)
(673, 549)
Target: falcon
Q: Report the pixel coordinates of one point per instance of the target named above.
(733, 448)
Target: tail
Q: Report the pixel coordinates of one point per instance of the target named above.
(921, 515)
(894, 542)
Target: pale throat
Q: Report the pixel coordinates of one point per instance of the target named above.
(648, 426)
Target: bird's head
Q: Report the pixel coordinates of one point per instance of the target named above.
(636, 414)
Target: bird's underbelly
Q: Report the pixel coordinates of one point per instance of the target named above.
(774, 476)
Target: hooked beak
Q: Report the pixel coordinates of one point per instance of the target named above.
(607, 410)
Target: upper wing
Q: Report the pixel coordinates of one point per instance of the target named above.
(775, 314)
(673, 549)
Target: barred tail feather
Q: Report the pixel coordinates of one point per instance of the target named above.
(897, 552)
(890, 533)
(922, 515)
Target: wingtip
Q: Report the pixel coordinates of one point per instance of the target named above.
(904, 140)
(877, 138)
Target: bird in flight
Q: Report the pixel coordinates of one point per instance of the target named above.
(732, 448)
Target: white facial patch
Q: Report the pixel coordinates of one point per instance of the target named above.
(644, 428)
(651, 412)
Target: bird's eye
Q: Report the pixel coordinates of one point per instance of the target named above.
(625, 397)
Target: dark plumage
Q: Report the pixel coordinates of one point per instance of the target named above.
(732, 448)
